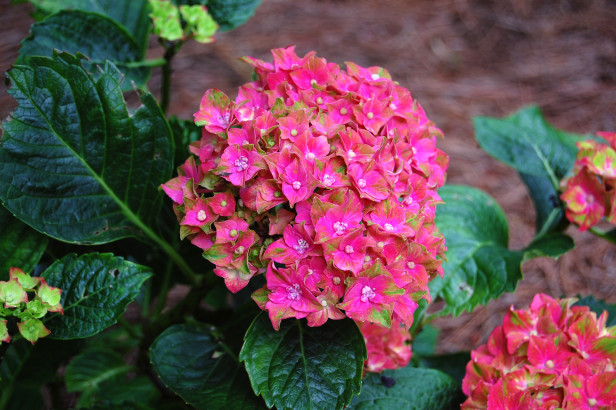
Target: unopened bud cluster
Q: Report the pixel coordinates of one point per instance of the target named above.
(29, 309)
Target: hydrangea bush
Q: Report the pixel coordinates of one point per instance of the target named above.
(299, 253)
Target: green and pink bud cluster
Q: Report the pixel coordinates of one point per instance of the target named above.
(590, 194)
(29, 309)
(551, 356)
(325, 181)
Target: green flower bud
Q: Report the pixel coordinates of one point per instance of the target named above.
(36, 308)
(32, 330)
(12, 293)
(50, 297)
(25, 280)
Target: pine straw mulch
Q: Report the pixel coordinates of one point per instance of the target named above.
(460, 59)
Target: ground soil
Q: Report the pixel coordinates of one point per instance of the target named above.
(460, 58)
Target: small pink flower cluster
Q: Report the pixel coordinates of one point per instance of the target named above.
(325, 181)
(552, 355)
(591, 193)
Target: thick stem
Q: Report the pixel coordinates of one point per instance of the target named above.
(171, 49)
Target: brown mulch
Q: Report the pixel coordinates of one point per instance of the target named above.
(460, 58)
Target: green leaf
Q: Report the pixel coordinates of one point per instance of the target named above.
(92, 368)
(479, 265)
(20, 245)
(98, 37)
(304, 367)
(100, 375)
(424, 343)
(229, 14)
(542, 154)
(74, 163)
(132, 14)
(452, 364)
(96, 288)
(599, 306)
(413, 388)
(203, 372)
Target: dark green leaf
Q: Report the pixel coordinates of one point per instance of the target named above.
(98, 37)
(542, 154)
(13, 361)
(20, 245)
(100, 375)
(598, 306)
(132, 14)
(549, 210)
(413, 388)
(552, 245)
(74, 163)
(229, 14)
(304, 367)
(479, 265)
(201, 371)
(452, 364)
(96, 288)
(425, 342)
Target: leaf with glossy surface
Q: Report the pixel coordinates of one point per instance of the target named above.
(132, 14)
(194, 365)
(479, 265)
(542, 154)
(74, 163)
(98, 37)
(304, 367)
(96, 288)
(20, 245)
(408, 388)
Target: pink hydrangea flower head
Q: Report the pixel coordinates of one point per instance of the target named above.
(552, 355)
(325, 181)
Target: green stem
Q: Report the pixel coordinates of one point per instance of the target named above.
(602, 234)
(155, 62)
(162, 295)
(171, 49)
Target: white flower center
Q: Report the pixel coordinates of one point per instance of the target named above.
(351, 154)
(319, 100)
(408, 200)
(375, 76)
(294, 292)
(297, 185)
(340, 227)
(367, 294)
(410, 265)
(328, 180)
(241, 164)
(310, 156)
(343, 111)
(549, 364)
(324, 303)
(293, 132)
(370, 115)
(349, 249)
(388, 227)
(361, 183)
(239, 250)
(336, 280)
(301, 246)
(201, 215)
